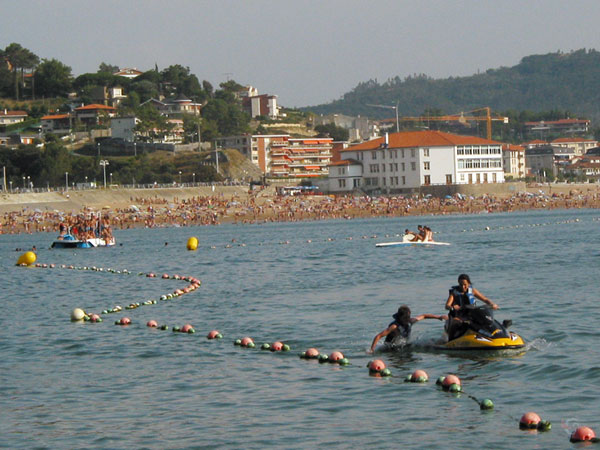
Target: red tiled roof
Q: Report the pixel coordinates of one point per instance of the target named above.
(573, 140)
(56, 116)
(13, 113)
(426, 138)
(94, 106)
(536, 141)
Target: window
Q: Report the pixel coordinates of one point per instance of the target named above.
(425, 152)
(413, 166)
(374, 155)
(402, 152)
(427, 180)
(449, 179)
(374, 168)
(403, 180)
(412, 152)
(391, 167)
(494, 179)
(460, 151)
(341, 170)
(426, 165)
(485, 177)
(356, 182)
(462, 177)
(383, 167)
(383, 154)
(342, 183)
(383, 180)
(403, 167)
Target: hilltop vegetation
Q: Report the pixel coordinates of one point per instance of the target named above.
(555, 81)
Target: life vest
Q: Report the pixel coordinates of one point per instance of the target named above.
(402, 330)
(463, 298)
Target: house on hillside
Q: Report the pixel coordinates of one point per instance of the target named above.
(128, 73)
(578, 145)
(94, 114)
(8, 117)
(175, 106)
(261, 105)
(400, 162)
(56, 123)
(562, 126)
(124, 128)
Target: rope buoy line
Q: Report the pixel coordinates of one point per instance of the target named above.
(234, 243)
(377, 368)
(80, 314)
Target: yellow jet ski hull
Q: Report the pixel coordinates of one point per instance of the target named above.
(472, 340)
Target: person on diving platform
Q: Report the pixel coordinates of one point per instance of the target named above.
(459, 298)
(401, 326)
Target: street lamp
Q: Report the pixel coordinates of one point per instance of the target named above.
(11, 190)
(23, 183)
(29, 182)
(66, 181)
(180, 177)
(85, 187)
(217, 157)
(135, 149)
(98, 145)
(194, 178)
(111, 178)
(104, 163)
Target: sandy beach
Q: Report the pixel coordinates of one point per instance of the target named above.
(207, 205)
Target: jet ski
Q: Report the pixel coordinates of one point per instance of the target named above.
(480, 331)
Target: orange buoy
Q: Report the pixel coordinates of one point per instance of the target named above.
(95, 318)
(246, 341)
(213, 334)
(450, 380)
(529, 420)
(419, 376)
(186, 328)
(277, 346)
(152, 323)
(583, 434)
(165, 276)
(312, 353)
(336, 356)
(376, 365)
(125, 321)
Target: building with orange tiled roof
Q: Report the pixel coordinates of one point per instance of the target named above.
(562, 126)
(579, 145)
(94, 113)
(56, 123)
(407, 160)
(8, 117)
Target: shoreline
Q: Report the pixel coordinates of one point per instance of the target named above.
(207, 205)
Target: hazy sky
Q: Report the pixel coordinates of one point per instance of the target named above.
(305, 52)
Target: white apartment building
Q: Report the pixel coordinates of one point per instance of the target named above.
(409, 160)
(513, 157)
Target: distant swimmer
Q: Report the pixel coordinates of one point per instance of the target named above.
(401, 326)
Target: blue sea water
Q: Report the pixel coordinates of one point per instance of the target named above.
(310, 284)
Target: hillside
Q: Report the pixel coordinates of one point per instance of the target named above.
(563, 81)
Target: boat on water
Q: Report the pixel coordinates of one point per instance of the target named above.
(70, 241)
(480, 331)
(407, 239)
(89, 232)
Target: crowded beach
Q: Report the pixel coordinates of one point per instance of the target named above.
(247, 207)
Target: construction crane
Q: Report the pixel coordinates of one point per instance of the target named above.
(395, 108)
(462, 118)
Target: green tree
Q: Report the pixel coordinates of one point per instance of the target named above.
(19, 59)
(333, 131)
(53, 78)
(107, 68)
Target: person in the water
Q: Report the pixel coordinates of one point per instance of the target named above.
(401, 326)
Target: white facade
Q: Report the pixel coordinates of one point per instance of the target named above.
(345, 176)
(446, 159)
(124, 128)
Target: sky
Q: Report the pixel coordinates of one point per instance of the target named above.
(305, 52)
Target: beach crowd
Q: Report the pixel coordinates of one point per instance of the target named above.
(216, 209)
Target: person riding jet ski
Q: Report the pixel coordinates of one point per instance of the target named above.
(461, 299)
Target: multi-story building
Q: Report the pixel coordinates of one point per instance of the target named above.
(56, 123)
(513, 158)
(94, 114)
(562, 126)
(175, 106)
(261, 105)
(279, 155)
(579, 146)
(407, 160)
